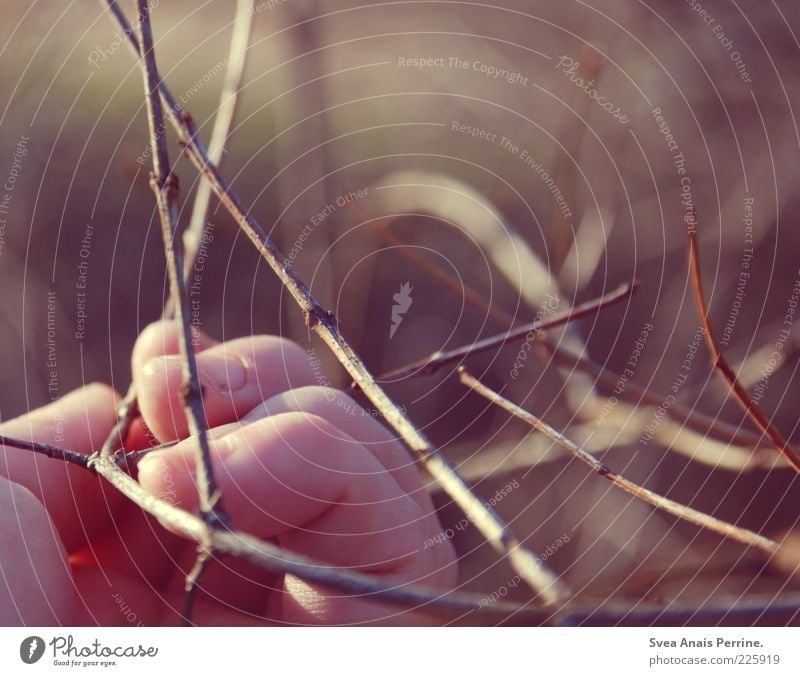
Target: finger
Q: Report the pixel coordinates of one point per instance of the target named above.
(163, 337)
(35, 584)
(229, 583)
(80, 503)
(297, 477)
(281, 474)
(357, 423)
(137, 548)
(235, 377)
(111, 599)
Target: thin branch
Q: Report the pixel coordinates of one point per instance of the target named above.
(127, 411)
(681, 511)
(272, 558)
(433, 362)
(453, 285)
(73, 457)
(228, 103)
(193, 581)
(193, 235)
(323, 323)
(718, 429)
(165, 188)
(738, 612)
(721, 365)
(741, 612)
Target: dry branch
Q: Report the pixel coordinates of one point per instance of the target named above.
(228, 103)
(433, 362)
(718, 429)
(737, 612)
(681, 511)
(275, 559)
(165, 188)
(73, 457)
(323, 323)
(721, 365)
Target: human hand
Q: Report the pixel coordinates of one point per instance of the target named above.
(295, 462)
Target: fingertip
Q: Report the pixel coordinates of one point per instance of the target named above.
(158, 386)
(163, 337)
(151, 469)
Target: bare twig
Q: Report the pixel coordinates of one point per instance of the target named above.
(228, 103)
(165, 188)
(635, 393)
(323, 323)
(193, 581)
(721, 365)
(193, 235)
(73, 457)
(275, 559)
(127, 410)
(681, 511)
(737, 612)
(433, 362)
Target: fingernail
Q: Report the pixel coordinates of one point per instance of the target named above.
(151, 464)
(217, 372)
(224, 374)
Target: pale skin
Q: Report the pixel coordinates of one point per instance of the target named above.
(298, 463)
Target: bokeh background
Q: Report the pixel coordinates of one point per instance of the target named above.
(330, 107)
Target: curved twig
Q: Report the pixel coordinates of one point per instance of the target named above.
(165, 188)
(721, 365)
(433, 362)
(275, 559)
(323, 323)
(718, 429)
(681, 511)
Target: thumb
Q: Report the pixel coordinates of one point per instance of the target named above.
(235, 377)
(79, 503)
(36, 588)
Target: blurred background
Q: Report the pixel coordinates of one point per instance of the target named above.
(537, 153)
